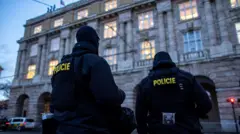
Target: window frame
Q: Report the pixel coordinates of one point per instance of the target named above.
(191, 7)
(31, 50)
(195, 40)
(150, 24)
(51, 44)
(59, 25)
(110, 33)
(237, 4)
(29, 70)
(112, 55)
(110, 2)
(237, 31)
(151, 49)
(35, 31)
(51, 67)
(78, 14)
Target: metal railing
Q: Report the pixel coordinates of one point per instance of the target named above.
(191, 56)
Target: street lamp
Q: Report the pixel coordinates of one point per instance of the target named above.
(232, 101)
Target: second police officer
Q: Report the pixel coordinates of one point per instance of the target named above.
(169, 100)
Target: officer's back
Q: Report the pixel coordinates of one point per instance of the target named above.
(166, 100)
(82, 85)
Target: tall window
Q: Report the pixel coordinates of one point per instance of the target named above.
(145, 20)
(110, 29)
(188, 10)
(110, 55)
(55, 44)
(33, 51)
(111, 4)
(58, 22)
(31, 71)
(147, 50)
(82, 14)
(37, 29)
(235, 3)
(192, 41)
(237, 25)
(52, 65)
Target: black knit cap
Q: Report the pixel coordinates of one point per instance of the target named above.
(87, 34)
(162, 57)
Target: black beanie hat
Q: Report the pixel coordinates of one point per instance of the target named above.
(162, 57)
(88, 34)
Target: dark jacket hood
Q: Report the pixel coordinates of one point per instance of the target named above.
(84, 47)
(163, 60)
(87, 34)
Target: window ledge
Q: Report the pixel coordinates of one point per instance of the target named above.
(185, 21)
(107, 39)
(233, 9)
(146, 30)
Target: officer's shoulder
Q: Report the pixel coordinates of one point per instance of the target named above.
(184, 73)
(93, 58)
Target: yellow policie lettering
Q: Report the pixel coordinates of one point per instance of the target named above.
(61, 67)
(164, 81)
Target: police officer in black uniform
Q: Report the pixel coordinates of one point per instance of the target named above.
(170, 100)
(84, 89)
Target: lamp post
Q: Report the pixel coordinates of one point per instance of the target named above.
(232, 101)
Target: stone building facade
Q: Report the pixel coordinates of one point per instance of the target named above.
(202, 37)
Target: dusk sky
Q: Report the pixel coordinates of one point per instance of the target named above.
(14, 14)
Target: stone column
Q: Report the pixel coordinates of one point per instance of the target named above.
(68, 45)
(62, 48)
(39, 56)
(222, 21)
(162, 39)
(17, 68)
(226, 46)
(171, 37)
(129, 38)
(121, 42)
(43, 59)
(22, 71)
(210, 23)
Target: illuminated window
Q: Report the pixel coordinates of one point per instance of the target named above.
(237, 25)
(192, 41)
(111, 4)
(110, 29)
(37, 29)
(31, 71)
(235, 3)
(147, 50)
(58, 22)
(188, 10)
(55, 44)
(52, 65)
(33, 51)
(82, 14)
(110, 55)
(145, 20)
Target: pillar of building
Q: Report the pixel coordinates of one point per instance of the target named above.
(18, 64)
(22, 72)
(172, 48)
(64, 39)
(226, 46)
(61, 48)
(68, 46)
(39, 53)
(162, 38)
(121, 42)
(129, 39)
(43, 59)
(222, 21)
(210, 23)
